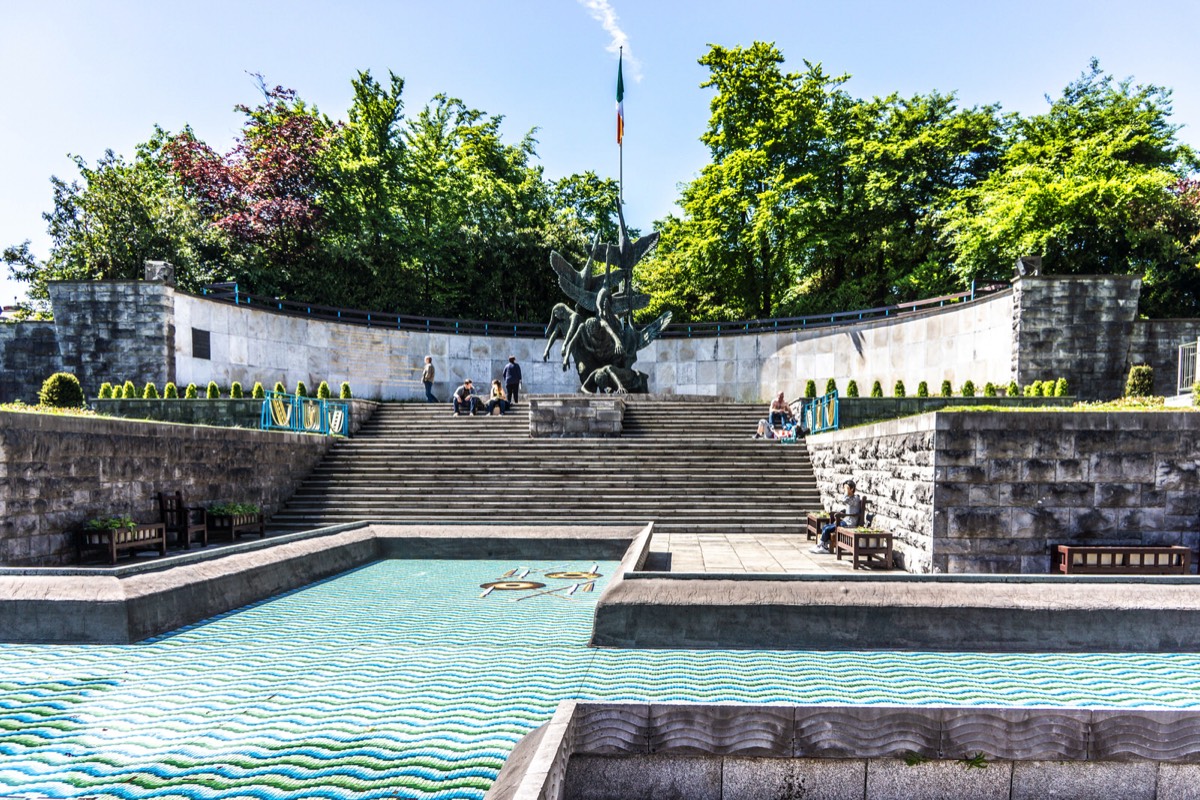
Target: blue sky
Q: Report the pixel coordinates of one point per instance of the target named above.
(80, 77)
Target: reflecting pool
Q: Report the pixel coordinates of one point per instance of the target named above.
(411, 679)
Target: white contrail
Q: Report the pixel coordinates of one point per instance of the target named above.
(603, 12)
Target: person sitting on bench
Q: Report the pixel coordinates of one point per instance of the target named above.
(848, 516)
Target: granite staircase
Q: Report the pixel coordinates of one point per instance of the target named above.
(690, 466)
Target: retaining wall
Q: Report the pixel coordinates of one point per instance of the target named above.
(225, 412)
(60, 471)
(995, 491)
(1083, 328)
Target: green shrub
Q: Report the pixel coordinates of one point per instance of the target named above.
(258, 392)
(231, 509)
(1048, 388)
(105, 391)
(1140, 382)
(279, 388)
(235, 390)
(947, 390)
(150, 392)
(345, 393)
(1061, 388)
(1034, 389)
(170, 392)
(830, 386)
(898, 389)
(852, 388)
(989, 389)
(129, 391)
(61, 390)
(1013, 389)
(968, 389)
(876, 389)
(301, 389)
(810, 388)
(922, 389)
(323, 392)
(1196, 393)
(213, 392)
(191, 392)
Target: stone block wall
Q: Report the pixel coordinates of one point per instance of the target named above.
(28, 355)
(576, 416)
(58, 472)
(861, 410)
(115, 331)
(1075, 326)
(1156, 342)
(892, 464)
(1006, 488)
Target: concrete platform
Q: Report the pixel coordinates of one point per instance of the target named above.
(734, 553)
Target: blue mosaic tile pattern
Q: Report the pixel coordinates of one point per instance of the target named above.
(399, 680)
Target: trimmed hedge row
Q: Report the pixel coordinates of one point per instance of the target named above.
(1047, 388)
(128, 391)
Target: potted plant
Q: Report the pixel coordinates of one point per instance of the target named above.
(234, 518)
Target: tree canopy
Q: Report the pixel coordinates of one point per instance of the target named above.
(813, 200)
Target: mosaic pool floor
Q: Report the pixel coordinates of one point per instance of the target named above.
(399, 680)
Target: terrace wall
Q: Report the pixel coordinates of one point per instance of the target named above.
(60, 471)
(996, 491)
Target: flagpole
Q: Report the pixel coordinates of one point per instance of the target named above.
(621, 138)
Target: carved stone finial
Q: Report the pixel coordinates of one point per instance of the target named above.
(160, 271)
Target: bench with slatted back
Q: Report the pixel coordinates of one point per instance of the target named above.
(182, 520)
(1123, 560)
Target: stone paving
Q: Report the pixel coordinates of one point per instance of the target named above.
(771, 553)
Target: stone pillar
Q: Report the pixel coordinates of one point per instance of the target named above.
(115, 331)
(1077, 327)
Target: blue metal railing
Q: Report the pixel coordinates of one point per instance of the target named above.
(820, 414)
(286, 412)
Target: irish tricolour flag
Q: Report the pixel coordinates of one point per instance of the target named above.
(620, 103)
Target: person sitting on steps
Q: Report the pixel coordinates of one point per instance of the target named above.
(465, 399)
(498, 400)
(848, 516)
(781, 412)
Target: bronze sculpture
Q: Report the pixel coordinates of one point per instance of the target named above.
(604, 346)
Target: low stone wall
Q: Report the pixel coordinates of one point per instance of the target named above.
(60, 471)
(861, 410)
(995, 491)
(28, 355)
(1156, 342)
(608, 751)
(223, 412)
(576, 416)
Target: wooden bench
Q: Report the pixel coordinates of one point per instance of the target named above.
(182, 520)
(815, 522)
(140, 537)
(233, 524)
(1123, 560)
(865, 546)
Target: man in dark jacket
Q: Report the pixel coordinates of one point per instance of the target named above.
(465, 399)
(512, 379)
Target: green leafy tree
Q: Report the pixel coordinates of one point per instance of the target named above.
(1013, 390)
(947, 389)
(898, 389)
(852, 388)
(1061, 388)
(1092, 185)
(831, 386)
(106, 391)
(922, 389)
(323, 392)
(968, 389)
(345, 391)
(876, 389)
(810, 388)
(170, 391)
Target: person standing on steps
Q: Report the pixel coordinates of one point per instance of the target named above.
(512, 379)
(427, 379)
